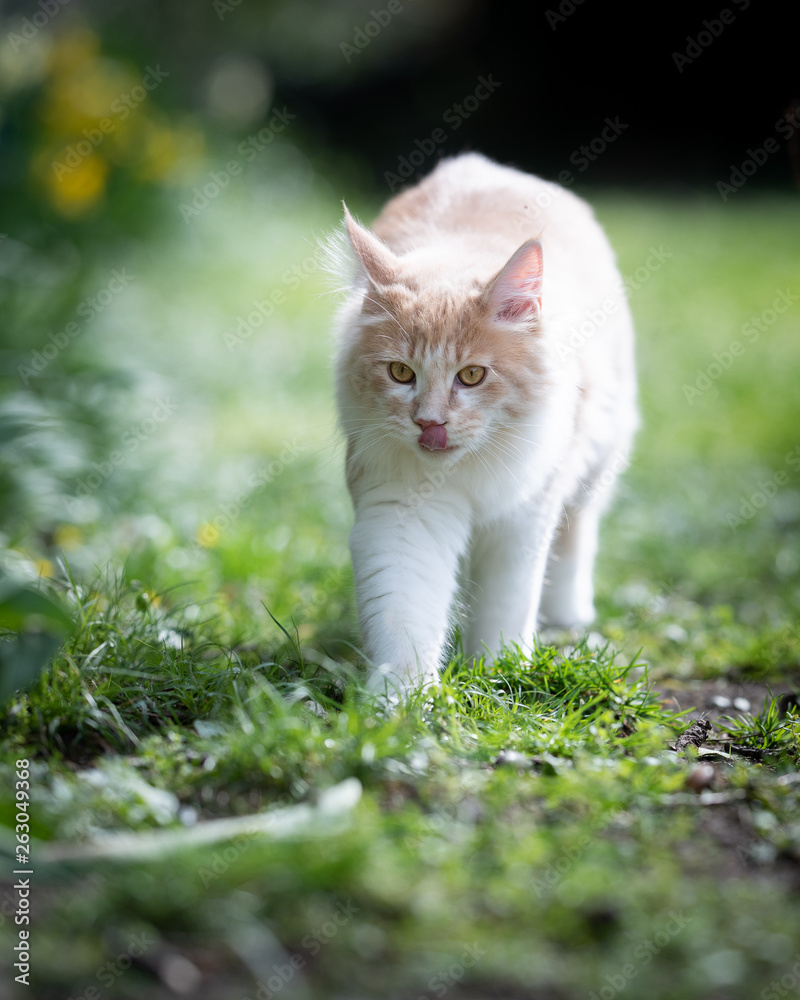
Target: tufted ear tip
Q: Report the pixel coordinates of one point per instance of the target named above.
(377, 259)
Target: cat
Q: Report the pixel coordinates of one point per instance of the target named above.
(485, 383)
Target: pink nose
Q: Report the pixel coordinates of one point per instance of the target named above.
(433, 436)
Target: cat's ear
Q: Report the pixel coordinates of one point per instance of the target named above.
(377, 259)
(515, 295)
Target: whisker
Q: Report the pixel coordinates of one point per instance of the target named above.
(371, 444)
(497, 457)
(393, 318)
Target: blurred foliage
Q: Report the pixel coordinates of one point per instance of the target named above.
(32, 626)
(171, 476)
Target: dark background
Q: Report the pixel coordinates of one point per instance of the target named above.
(561, 73)
(559, 84)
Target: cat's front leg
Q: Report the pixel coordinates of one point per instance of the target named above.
(568, 597)
(405, 563)
(506, 574)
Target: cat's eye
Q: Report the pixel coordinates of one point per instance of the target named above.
(471, 375)
(401, 372)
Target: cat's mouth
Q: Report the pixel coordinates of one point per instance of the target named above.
(434, 438)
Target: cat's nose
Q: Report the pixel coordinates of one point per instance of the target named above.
(425, 424)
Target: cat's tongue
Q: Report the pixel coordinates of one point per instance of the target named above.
(434, 437)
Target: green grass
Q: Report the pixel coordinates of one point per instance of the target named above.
(774, 730)
(524, 830)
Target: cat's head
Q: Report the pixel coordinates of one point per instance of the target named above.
(442, 359)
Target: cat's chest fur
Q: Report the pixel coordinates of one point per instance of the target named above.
(485, 383)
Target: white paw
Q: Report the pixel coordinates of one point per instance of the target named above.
(566, 610)
(394, 684)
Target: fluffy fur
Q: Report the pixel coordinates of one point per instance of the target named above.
(480, 265)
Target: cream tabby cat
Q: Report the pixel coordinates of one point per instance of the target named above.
(486, 386)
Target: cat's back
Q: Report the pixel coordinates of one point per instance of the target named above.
(470, 195)
(466, 218)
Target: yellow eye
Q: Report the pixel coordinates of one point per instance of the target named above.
(401, 372)
(472, 375)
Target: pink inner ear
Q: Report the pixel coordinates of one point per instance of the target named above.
(517, 291)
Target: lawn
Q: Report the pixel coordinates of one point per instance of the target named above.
(218, 809)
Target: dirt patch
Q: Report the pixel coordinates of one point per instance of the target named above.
(721, 696)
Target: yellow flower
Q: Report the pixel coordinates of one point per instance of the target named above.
(72, 49)
(44, 567)
(158, 152)
(77, 189)
(68, 536)
(207, 535)
(166, 153)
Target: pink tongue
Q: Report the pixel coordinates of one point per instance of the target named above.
(434, 437)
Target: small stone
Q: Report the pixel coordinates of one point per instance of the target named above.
(188, 815)
(700, 778)
(675, 632)
(720, 701)
(741, 704)
(595, 641)
(179, 974)
(512, 758)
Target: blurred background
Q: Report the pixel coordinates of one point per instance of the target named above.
(167, 169)
(169, 462)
